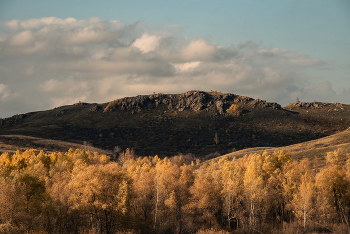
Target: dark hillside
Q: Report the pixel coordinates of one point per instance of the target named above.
(168, 124)
(324, 116)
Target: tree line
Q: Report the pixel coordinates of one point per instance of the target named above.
(83, 192)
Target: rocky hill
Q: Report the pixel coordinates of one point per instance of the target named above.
(192, 100)
(194, 122)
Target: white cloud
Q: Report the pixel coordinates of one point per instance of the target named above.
(86, 35)
(51, 61)
(322, 92)
(198, 50)
(36, 47)
(67, 86)
(273, 76)
(37, 22)
(67, 91)
(13, 24)
(22, 39)
(185, 67)
(4, 92)
(147, 43)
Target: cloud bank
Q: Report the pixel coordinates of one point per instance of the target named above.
(49, 62)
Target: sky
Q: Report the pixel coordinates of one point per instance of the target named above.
(55, 53)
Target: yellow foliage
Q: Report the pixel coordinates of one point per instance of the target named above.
(304, 198)
(111, 105)
(104, 159)
(171, 201)
(293, 173)
(6, 160)
(333, 189)
(234, 110)
(333, 157)
(84, 188)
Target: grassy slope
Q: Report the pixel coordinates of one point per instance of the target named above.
(12, 143)
(309, 149)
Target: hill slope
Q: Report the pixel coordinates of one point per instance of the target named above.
(169, 124)
(310, 149)
(12, 143)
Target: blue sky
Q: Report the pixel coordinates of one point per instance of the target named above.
(312, 34)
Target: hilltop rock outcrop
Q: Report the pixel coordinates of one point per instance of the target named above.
(315, 105)
(191, 100)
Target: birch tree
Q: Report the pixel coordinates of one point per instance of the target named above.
(333, 185)
(304, 198)
(253, 185)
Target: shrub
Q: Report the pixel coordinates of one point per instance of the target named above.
(111, 106)
(234, 110)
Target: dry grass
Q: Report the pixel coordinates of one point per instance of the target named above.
(212, 231)
(12, 143)
(308, 149)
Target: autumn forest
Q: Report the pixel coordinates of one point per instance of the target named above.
(83, 192)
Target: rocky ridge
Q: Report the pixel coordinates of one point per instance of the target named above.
(316, 105)
(191, 100)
